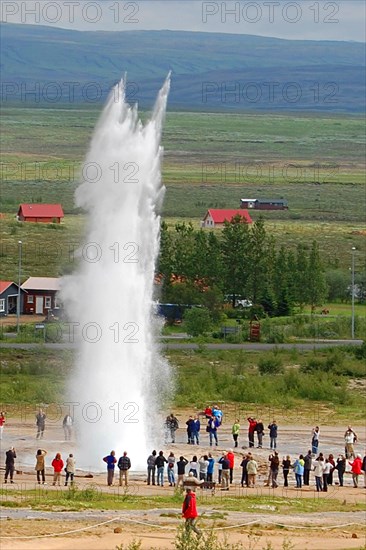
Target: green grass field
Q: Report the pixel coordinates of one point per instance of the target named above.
(211, 160)
(218, 153)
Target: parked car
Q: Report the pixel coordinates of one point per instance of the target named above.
(239, 301)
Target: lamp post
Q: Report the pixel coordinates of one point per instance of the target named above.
(19, 282)
(353, 293)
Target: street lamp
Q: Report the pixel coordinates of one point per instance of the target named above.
(19, 282)
(353, 293)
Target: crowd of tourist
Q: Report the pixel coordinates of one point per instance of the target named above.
(203, 469)
(206, 468)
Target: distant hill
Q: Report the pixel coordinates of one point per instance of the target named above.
(211, 71)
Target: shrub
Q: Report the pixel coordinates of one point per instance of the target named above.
(360, 351)
(197, 321)
(270, 365)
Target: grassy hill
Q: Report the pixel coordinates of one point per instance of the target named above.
(265, 73)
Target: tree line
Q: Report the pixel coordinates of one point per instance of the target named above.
(202, 267)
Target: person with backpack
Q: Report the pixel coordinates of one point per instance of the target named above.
(70, 469)
(211, 428)
(172, 426)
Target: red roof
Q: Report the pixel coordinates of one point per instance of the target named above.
(219, 216)
(41, 210)
(4, 285)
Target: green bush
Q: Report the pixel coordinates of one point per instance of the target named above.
(197, 321)
(270, 365)
(360, 352)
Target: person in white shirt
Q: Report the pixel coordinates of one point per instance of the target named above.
(318, 472)
(193, 466)
(327, 469)
(350, 439)
(203, 465)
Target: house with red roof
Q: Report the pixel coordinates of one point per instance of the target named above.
(9, 298)
(217, 217)
(40, 213)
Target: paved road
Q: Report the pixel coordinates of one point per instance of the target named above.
(305, 346)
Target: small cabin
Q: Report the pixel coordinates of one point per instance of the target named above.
(264, 204)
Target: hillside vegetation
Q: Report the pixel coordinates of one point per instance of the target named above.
(267, 73)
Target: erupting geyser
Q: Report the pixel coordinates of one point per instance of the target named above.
(119, 377)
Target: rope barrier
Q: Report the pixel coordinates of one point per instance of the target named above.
(131, 520)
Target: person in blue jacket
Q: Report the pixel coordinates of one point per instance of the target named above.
(195, 434)
(212, 426)
(299, 470)
(111, 462)
(211, 466)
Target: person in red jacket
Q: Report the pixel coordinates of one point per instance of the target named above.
(356, 469)
(2, 422)
(231, 458)
(208, 412)
(251, 429)
(57, 464)
(189, 512)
